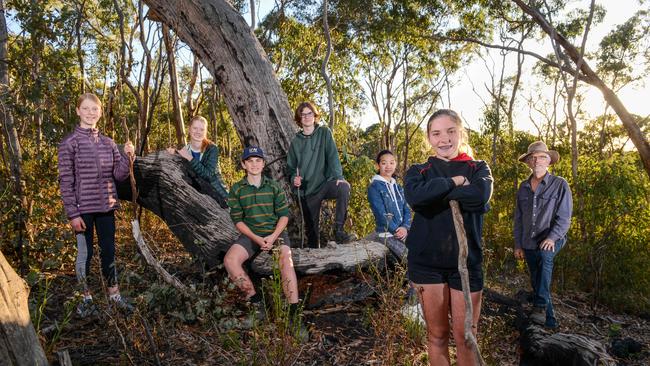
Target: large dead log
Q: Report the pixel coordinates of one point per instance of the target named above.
(346, 258)
(168, 187)
(19, 344)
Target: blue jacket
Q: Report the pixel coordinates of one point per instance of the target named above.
(388, 198)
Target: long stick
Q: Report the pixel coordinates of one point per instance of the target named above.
(470, 339)
(137, 235)
(302, 217)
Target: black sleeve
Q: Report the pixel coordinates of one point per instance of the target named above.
(475, 196)
(420, 191)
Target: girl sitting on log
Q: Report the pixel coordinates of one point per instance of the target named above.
(89, 165)
(386, 198)
(203, 156)
(451, 174)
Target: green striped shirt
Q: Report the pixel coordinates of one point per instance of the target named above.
(258, 208)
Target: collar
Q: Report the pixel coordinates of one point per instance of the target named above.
(545, 180)
(244, 181)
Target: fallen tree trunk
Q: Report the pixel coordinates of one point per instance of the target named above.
(169, 187)
(346, 258)
(19, 344)
(541, 347)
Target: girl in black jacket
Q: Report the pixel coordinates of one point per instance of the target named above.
(451, 174)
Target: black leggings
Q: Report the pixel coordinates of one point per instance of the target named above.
(104, 224)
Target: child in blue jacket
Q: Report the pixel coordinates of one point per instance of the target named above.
(392, 213)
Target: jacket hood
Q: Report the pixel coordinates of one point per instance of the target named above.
(317, 126)
(382, 179)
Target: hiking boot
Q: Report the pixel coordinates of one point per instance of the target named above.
(122, 304)
(343, 238)
(538, 315)
(87, 308)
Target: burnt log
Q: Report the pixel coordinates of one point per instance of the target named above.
(19, 344)
(542, 347)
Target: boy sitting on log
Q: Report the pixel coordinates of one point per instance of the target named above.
(259, 210)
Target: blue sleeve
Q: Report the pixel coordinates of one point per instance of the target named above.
(562, 221)
(475, 196)
(406, 211)
(419, 191)
(377, 207)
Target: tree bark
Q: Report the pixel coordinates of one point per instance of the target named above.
(13, 143)
(169, 187)
(173, 85)
(19, 344)
(323, 67)
(224, 43)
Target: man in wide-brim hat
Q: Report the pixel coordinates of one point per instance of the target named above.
(542, 220)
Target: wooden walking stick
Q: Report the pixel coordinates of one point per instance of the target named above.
(470, 339)
(137, 234)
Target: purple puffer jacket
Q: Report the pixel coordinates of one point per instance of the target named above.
(89, 165)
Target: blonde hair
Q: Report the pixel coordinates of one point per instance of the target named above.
(206, 142)
(463, 145)
(89, 96)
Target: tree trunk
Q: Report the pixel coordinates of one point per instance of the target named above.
(629, 122)
(173, 85)
(19, 344)
(221, 39)
(169, 187)
(10, 133)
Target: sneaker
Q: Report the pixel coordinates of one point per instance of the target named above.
(413, 312)
(122, 304)
(298, 329)
(87, 308)
(538, 315)
(343, 238)
(258, 310)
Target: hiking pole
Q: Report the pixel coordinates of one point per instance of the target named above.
(302, 217)
(470, 339)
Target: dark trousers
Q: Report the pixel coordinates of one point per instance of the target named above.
(311, 206)
(104, 224)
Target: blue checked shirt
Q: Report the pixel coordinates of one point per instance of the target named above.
(543, 214)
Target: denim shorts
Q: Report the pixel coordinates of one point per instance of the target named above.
(421, 275)
(252, 249)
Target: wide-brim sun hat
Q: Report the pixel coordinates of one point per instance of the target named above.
(539, 146)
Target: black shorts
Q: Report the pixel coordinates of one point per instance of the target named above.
(252, 248)
(421, 275)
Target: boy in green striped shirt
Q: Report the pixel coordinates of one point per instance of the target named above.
(259, 210)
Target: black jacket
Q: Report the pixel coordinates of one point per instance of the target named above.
(428, 189)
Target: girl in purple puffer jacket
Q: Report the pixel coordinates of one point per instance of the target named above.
(89, 166)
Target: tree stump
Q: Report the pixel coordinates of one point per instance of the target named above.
(19, 344)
